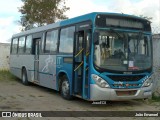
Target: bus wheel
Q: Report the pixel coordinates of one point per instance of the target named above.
(24, 77)
(65, 89)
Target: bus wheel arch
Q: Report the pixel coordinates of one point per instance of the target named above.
(24, 76)
(60, 77)
(64, 86)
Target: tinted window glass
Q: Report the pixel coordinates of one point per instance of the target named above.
(14, 45)
(21, 45)
(66, 40)
(28, 44)
(51, 41)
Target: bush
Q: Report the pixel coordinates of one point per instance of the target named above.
(6, 75)
(155, 98)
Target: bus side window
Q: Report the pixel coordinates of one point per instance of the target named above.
(42, 43)
(51, 41)
(88, 44)
(47, 42)
(14, 46)
(28, 44)
(21, 45)
(66, 40)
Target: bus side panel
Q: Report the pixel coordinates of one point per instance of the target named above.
(19, 61)
(47, 71)
(64, 65)
(15, 66)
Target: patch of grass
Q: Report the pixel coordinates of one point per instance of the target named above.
(32, 96)
(6, 75)
(40, 96)
(13, 97)
(155, 98)
(20, 95)
(2, 98)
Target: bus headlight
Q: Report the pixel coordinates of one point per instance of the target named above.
(147, 82)
(99, 81)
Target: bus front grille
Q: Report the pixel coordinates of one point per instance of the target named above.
(126, 93)
(126, 86)
(126, 78)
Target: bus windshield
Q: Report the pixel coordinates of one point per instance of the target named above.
(122, 51)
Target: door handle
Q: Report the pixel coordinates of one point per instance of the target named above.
(79, 66)
(79, 52)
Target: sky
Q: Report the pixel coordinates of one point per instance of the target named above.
(9, 15)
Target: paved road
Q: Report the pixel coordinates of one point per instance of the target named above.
(15, 96)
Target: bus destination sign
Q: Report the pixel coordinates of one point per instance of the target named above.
(123, 23)
(120, 21)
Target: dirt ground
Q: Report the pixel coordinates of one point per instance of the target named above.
(16, 97)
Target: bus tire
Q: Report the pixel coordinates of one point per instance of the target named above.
(65, 88)
(24, 77)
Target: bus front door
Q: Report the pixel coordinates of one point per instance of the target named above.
(36, 60)
(80, 64)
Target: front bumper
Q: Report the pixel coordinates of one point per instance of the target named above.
(98, 93)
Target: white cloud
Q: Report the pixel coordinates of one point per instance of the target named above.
(9, 11)
(8, 15)
(79, 7)
(150, 8)
(7, 28)
(9, 6)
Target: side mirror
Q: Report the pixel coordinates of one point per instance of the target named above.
(96, 38)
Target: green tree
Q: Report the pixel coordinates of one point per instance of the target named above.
(37, 13)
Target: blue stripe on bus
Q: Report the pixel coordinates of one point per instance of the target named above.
(15, 68)
(42, 72)
(31, 70)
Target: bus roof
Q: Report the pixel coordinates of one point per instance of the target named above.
(89, 16)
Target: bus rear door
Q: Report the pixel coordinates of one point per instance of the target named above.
(36, 59)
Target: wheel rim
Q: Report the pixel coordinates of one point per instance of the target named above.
(65, 88)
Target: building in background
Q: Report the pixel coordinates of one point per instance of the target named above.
(156, 61)
(156, 50)
(4, 56)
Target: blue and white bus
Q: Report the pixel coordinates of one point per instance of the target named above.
(97, 56)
